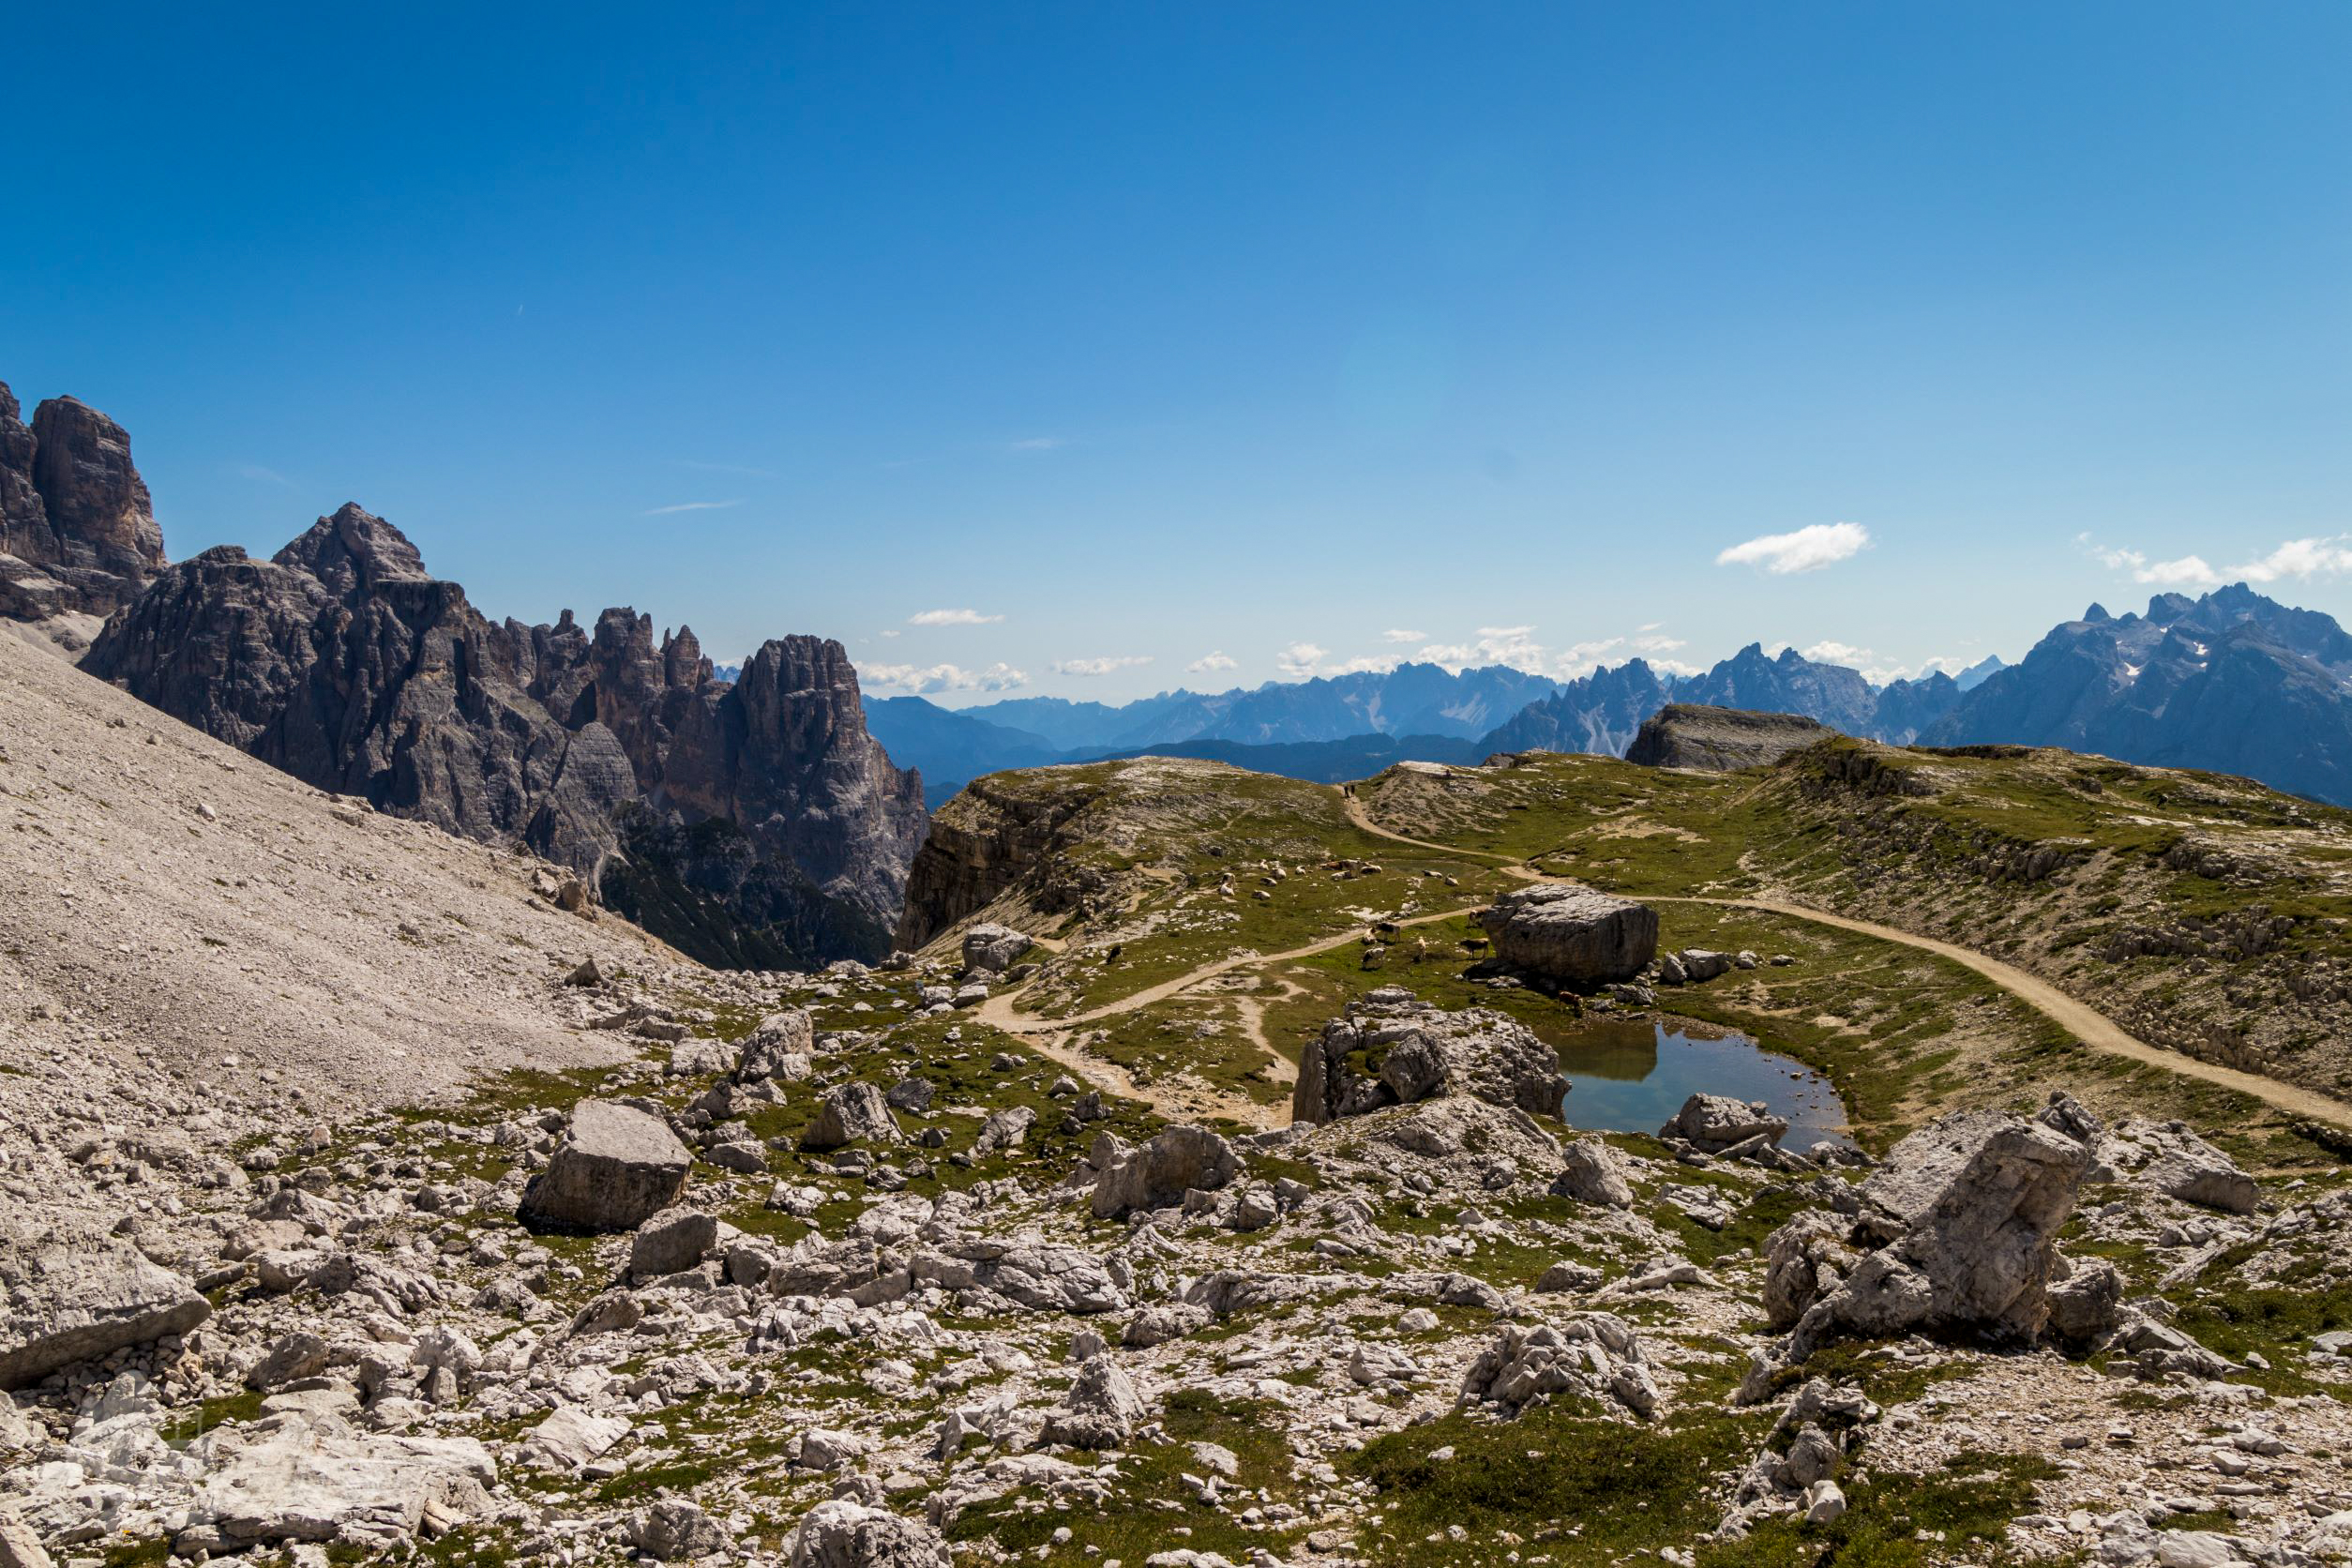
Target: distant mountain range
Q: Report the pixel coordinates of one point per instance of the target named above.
(2232, 682)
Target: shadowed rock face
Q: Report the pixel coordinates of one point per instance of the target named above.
(74, 513)
(1720, 740)
(344, 662)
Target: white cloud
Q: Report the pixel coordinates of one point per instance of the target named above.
(691, 506)
(2298, 558)
(1814, 546)
(1655, 641)
(1099, 666)
(951, 618)
(1404, 637)
(2295, 558)
(1368, 664)
(1832, 651)
(1512, 645)
(265, 476)
(1207, 663)
(1035, 443)
(1677, 667)
(943, 677)
(1298, 661)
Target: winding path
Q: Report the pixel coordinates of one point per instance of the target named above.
(2085, 1022)
(1185, 1097)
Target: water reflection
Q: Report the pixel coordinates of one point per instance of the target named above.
(1632, 1076)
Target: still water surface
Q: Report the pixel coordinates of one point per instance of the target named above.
(1633, 1076)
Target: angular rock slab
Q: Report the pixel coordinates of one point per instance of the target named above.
(616, 1168)
(66, 1305)
(1571, 934)
(308, 1483)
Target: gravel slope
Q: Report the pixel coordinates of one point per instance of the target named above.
(180, 923)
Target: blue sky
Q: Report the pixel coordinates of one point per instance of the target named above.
(1246, 338)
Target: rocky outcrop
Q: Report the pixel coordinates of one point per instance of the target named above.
(1572, 935)
(846, 1535)
(78, 534)
(995, 836)
(1720, 740)
(754, 824)
(1392, 1048)
(1957, 1232)
(1594, 1357)
(1161, 1171)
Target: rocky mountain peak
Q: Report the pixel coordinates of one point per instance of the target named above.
(75, 518)
(682, 661)
(354, 552)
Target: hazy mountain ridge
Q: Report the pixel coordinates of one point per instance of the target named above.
(2233, 682)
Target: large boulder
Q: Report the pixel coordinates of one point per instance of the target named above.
(779, 1048)
(994, 948)
(616, 1168)
(846, 1535)
(1101, 1410)
(1592, 1172)
(1571, 934)
(853, 1112)
(1714, 1122)
(1158, 1172)
(1392, 1048)
(1957, 1233)
(68, 1305)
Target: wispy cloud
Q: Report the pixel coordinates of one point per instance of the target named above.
(1807, 549)
(1397, 635)
(1210, 663)
(1099, 666)
(942, 677)
(1036, 444)
(951, 618)
(691, 506)
(265, 475)
(742, 468)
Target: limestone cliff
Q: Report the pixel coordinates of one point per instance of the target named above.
(78, 534)
(343, 661)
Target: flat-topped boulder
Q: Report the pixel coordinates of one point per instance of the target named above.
(616, 1168)
(1571, 934)
(68, 1305)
